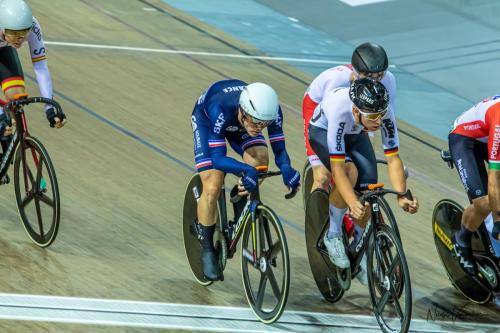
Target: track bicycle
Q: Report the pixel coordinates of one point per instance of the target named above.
(265, 263)
(35, 182)
(388, 275)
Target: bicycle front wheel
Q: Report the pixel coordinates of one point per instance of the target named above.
(389, 281)
(265, 265)
(37, 192)
(307, 183)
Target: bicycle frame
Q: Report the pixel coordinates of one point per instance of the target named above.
(233, 233)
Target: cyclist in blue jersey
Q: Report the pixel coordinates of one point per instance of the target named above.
(235, 112)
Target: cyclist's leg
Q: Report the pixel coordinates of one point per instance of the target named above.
(12, 82)
(337, 208)
(360, 150)
(212, 181)
(468, 156)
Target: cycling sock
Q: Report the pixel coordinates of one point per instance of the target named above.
(336, 218)
(464, 236)
(207, 233)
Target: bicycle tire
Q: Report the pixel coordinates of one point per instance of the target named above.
(446, 220)
(376, 284)
(268, 256)
(40, 235)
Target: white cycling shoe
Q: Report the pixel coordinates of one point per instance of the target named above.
(336, 251)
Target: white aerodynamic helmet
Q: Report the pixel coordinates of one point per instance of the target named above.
(15, 15)
(260, 101)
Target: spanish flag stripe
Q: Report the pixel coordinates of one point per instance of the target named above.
(12, 84)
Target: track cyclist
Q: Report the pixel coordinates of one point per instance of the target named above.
(368, 60)
(474, 140)
(238, 112)
(18, 25)
(338, 131)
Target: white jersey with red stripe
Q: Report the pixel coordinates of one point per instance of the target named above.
(482, 122)
(335, 115)
(342, 76)
(38, 58)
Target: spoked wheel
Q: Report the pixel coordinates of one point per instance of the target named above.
(191, 243)
(392, 308)
(37, 192)
(446, 221)
(265, 271)
(307, 182)
(321, 267)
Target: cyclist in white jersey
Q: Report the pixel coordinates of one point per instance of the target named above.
(18, 25)
(368, 60)
(338, 129)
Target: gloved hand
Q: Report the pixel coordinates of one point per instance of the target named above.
(291, 177)
(250, 178)
(55, 120)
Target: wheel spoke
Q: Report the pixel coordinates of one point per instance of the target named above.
(395, 299)
(393, 266)
(261, 292)
(275, 250)
(39, 216)
(274, 283)
(45, 199)
(29, 197)
(383, 302)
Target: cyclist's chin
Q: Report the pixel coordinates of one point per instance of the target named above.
(253, 133)
(16, 45)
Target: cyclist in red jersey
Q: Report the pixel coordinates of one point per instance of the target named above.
(474, 140)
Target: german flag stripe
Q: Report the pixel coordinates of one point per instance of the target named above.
(391, 152)
(337, 157)
(37, 59)
(12, 82)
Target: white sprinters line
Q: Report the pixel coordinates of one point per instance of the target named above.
(197, 53)
(195, 317)
(355, 3)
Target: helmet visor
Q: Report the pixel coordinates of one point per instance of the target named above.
(377, 76)
(255, 121)
(374, 116)
(17, 33)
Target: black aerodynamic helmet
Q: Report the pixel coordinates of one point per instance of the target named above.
(369, 58)
(369, 95)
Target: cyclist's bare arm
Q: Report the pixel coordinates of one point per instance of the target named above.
(396, 173)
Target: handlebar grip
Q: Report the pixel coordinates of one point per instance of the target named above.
(292, 193)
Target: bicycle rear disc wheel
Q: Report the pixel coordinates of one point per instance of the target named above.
(446, 220)
(322, 268)
(37, 192)
(266, 272)
(192, 245)
(392, 308)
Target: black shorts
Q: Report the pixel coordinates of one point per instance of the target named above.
(358, 149)
(469, 156)
(11, 72)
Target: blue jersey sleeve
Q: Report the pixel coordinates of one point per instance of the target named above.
(277, 139)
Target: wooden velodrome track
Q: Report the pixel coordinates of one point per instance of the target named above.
(125, 156)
